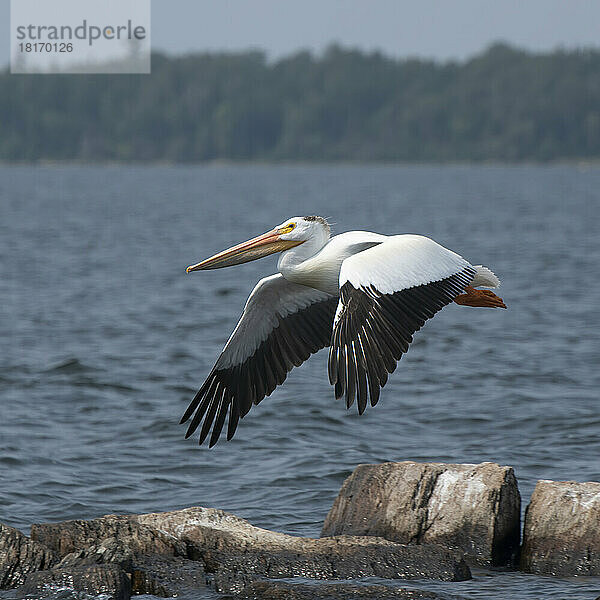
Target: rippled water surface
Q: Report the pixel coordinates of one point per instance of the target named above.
(105, 339)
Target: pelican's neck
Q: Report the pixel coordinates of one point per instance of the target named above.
(298, 254)
(307, 265)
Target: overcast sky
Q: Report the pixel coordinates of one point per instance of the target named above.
(441, 29)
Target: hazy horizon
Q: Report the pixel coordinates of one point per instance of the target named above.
(431, 29)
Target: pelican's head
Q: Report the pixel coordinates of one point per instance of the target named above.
(292, 232)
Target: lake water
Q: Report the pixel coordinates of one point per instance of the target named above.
(105, 339)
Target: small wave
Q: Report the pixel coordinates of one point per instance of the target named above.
(119, 387)
(68, 365)
(10, 461)
(224, 291)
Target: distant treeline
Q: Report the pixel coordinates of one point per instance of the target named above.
(504, 104)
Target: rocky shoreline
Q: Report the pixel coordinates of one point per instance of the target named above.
(393, 521)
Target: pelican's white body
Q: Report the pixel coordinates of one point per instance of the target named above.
(390, 263)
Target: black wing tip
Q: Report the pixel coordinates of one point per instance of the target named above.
(191, 430)
(206, 414)
(189, 411)
(202, 438)
(209, 419)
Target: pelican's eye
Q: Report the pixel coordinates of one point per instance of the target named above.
(289, 227)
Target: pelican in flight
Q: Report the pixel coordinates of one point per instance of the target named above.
(362, 294)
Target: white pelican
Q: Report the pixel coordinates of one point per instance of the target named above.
(361, 293)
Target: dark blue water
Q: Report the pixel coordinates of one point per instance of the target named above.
(105, 339)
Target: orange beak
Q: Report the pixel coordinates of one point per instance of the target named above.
(258, 247)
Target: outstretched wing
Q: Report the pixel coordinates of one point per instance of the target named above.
(283, 323)
(386, 294)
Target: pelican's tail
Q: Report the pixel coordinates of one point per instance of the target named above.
(486, 298)
(485, 277)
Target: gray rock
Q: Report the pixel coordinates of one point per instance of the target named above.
(561, 534)
(164, 553)
(93, 580)
(150, 557)
(283, 590)
(472, 508)
(167, 576)
(238, 553)
(67, 537)
(108, 551)
(20, 556)
(211, 530)
(345, 557)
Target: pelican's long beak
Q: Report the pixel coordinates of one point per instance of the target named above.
(263, 245)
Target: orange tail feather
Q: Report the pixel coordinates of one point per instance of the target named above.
(474, 297)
